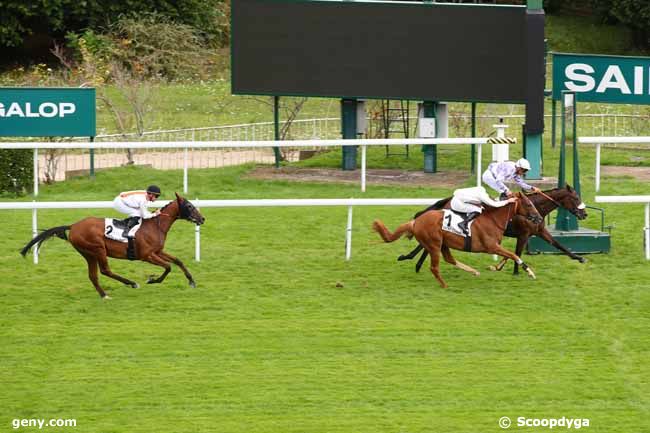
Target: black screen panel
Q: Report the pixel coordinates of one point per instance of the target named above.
(410, 50)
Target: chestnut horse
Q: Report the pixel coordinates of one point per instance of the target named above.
(487, 232)
(521, 228)
(87, 237)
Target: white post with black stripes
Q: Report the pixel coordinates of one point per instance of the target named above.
(500, 146)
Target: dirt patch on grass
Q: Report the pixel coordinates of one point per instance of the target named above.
(450, 179)
(640, 173)
(444, 179)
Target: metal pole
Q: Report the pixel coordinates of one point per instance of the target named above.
(185, 170)
(92, 160)
(553, 121)
(363, 168)
(574, 140)
(473, 151)
(597, 167)
(276, 128)
(478, 164)
(348, 235)
(35, 173)
(35, 232)
(197, 237)
(647, 231)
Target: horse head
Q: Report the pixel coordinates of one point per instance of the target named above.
(570, 200)
(187, 211)
(527, 209)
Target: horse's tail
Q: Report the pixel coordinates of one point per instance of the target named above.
(45, 235)
(387, 236)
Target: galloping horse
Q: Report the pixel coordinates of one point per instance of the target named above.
(521, 228)
(87, 237)
(487, 232)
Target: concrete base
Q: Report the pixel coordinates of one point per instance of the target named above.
(581, 241)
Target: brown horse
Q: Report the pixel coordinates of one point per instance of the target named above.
(487, 232)
(522, 228)
(87, 237)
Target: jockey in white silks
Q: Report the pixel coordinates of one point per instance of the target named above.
(471, 201)
(498, 173)
(134, 204)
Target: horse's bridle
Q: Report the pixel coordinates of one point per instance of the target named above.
(556, 203)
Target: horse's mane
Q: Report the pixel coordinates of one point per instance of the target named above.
(167, 205)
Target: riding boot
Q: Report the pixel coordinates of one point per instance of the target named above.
(130, 223)
(464, 225)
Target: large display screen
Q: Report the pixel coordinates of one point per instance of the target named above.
(393, 50)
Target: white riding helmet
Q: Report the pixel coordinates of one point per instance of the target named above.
(523, 163)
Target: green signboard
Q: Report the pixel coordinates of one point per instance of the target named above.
(595, 78)
(47, 112)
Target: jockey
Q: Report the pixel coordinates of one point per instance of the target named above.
(134, 204)
(470, 201)
(499, 172)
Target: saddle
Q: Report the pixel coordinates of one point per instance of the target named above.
(116, 230)
(450, 222)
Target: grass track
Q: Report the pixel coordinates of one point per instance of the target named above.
(267, 342)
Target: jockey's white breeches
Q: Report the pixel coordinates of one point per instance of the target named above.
(490, 181)
(119, 206)
(460, 206)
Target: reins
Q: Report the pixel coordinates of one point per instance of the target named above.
(551, 199)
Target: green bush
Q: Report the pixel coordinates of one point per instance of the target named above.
(17, 171)
(635, 14)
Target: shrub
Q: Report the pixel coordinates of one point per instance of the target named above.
(17, 171)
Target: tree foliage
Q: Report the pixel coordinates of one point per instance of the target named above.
(634, 14)
(55, 18)
(16, 171)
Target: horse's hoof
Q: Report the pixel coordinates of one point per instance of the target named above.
(531, 274)
(492, 268)
(135, 285)
(582, 260)
(106, 298)
(192, 284)
(477, 274)
(151, 279)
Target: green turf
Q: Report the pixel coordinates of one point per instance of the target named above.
(283, 335)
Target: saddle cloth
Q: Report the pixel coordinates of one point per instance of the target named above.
(451, 220)
(113, 229)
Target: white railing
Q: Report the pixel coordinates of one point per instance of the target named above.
(185, 145)
(644, 199)
(57, 165)
(349, 202)
(599, 141)
(330, 127)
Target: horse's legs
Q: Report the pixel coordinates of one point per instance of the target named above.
(544, 234)
(410, 255)
(92, 274)
(106, 270)
(498, 249)
(446, 253)
(180, 264)
(433, 247)
(519, 249)
(158, 261)
(499, 266)
(421, 260)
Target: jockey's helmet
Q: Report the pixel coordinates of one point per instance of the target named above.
(523, 163)
(153, 189)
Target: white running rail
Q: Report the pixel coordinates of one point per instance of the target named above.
(645, 199)
(599, 141)
(349, 202)
(364, 143)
